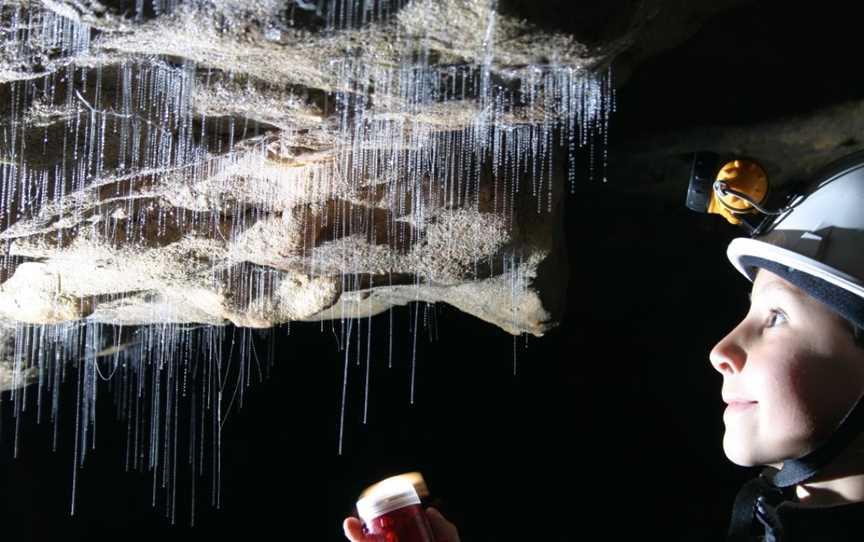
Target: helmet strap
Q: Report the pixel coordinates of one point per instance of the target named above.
(800, 470)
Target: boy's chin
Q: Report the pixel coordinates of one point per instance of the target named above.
(739, 454)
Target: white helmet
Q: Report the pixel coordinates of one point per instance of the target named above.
(820, 232)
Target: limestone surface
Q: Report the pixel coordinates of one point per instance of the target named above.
(215, 162)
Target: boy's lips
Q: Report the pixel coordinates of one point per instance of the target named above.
(737, 399)
(737, 402)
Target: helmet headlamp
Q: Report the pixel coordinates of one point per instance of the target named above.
(734, 188)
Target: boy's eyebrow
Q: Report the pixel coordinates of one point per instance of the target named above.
(774, 286)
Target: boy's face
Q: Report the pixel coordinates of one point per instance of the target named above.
(791, 371)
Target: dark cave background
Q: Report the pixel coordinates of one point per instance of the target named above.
(612, 423)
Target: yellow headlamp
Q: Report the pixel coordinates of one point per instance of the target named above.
(730, 188)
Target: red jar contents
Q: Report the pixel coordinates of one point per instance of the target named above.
(393, 513)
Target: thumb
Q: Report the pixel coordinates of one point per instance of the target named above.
(443, 530)
(354, 530)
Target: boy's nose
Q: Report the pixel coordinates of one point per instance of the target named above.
(728, 356)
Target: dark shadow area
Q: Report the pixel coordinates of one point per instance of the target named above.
(755, 63)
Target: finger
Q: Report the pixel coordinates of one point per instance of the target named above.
(353, 530)
(443, 530)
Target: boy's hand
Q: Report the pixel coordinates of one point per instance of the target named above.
(442, 530)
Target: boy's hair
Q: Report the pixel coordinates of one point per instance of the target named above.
(859, 335)
(857, 332)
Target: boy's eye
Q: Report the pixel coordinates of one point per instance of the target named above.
(775, 316)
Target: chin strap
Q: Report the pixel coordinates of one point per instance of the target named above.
(754, 513)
